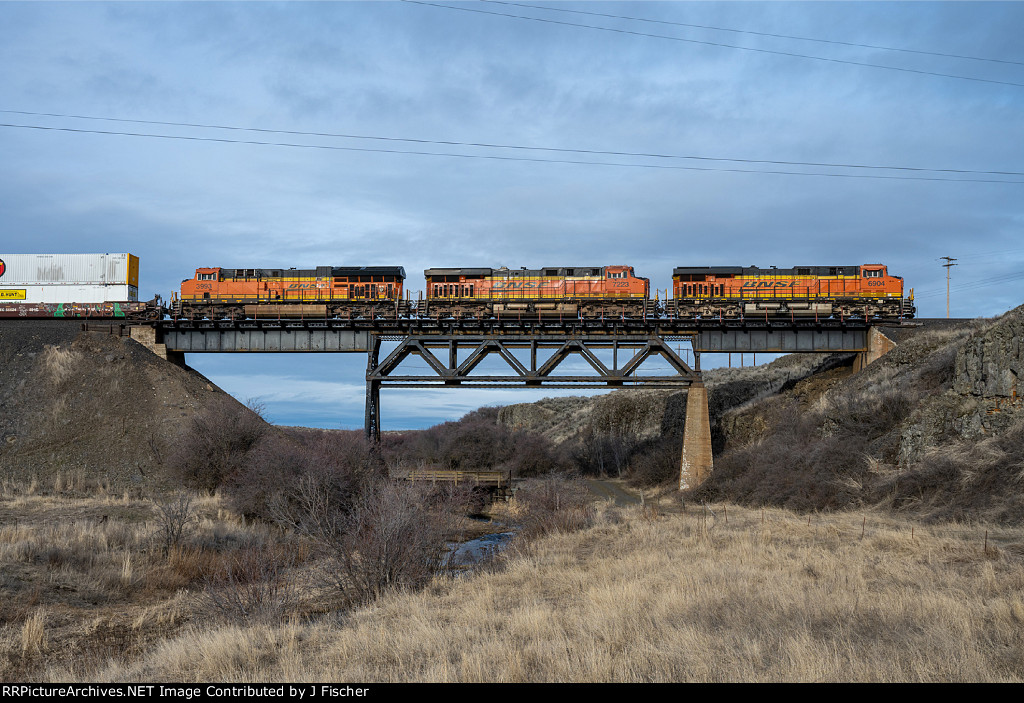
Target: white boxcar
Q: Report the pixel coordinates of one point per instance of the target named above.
(69, 278)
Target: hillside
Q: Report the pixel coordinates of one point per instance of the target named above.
(92, 404)
(934, 427)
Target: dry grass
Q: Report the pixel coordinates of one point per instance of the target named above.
(59, 362)
(734, 595)
(646, 594)
(86, 576)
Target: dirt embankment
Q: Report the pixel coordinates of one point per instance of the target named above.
(93, 404)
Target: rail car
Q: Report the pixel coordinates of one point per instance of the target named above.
(866, 291)
(321, 292)
(86, 286)
(588, 291)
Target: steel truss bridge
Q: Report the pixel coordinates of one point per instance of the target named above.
(542, 345)
(533, 350)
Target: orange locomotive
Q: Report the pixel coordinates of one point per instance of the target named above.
(323, 292)
(588, 291)
(866, 291)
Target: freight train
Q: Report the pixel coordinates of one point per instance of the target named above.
(106, 285)
(720, 292)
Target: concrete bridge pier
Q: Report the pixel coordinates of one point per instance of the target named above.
(696, 463)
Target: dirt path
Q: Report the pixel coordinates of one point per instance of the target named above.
(613, 488)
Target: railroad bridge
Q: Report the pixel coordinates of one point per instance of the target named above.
(533, 350)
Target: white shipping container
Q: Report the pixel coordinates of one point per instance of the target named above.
(68, 293)
(69, 270)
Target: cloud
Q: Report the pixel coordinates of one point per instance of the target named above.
(397, 70)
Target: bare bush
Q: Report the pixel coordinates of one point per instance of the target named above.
(270, 485)
(254, 585)
(657, 462)
(216, 444)
(474, 443)
(872, 412)
(390, 535)
(174, 517)
(554, 503)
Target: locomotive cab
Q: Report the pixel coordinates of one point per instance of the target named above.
(203, 286)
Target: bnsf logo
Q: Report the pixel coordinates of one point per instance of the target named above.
(3, 267)
(768, 284)
(499, 286)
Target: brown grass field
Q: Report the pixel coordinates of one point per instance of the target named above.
(93, 591)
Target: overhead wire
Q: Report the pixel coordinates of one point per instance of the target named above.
(972, 285)
(756, 33)
(615, 30)
(915, 170)
(491, 145)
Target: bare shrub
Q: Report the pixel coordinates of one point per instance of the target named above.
(960, 479)
(872, 412)
(601, 453)
(390, 535)
(554, 503)
(254, 585)
(282, 467)
(533, 454)
(476, 442)
(793, 465)
(174, 517)
(657, 462)
(216, 444)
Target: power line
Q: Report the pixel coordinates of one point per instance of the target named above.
(973, 285)
(982, 255)
(759, 34)
(485, 145)
(718, 44)
(492, 157)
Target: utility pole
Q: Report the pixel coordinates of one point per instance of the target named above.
(948, 265)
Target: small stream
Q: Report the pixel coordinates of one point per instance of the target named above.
(466, 555)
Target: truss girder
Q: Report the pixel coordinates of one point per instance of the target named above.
(531, 374)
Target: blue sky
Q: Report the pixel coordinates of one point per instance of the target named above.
(405, 71)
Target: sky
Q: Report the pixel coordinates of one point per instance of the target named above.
(653, 134)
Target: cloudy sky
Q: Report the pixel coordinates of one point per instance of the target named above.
(655, 134)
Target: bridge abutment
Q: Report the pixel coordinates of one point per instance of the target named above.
(149, 338)
(877, 346)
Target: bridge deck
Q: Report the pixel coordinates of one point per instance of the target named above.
(497, 479)
(744, 335)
